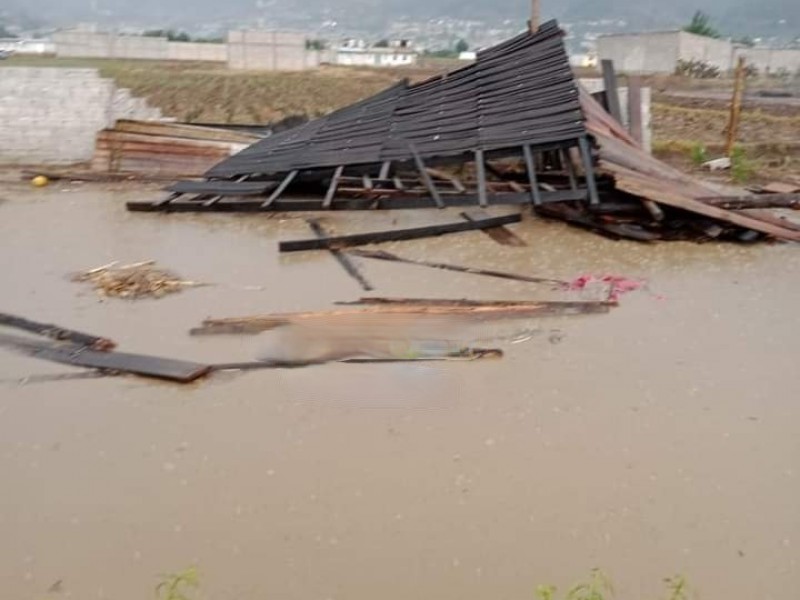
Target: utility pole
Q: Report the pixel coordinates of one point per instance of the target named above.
(535, 20)
(736, 108)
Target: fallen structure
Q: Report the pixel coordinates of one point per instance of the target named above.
(513, 128)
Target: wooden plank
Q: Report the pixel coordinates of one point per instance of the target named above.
(280, 189)
(340, 256)
(57, 332)
(251, 325)
(611, 89)
(754, 201)
(138, 364)
(360, 239)
(387, 256)
(329, 195)
(480, 169)
(426, 179)
(555, 306)
(388, 203)
(530, 168)
(501, 235)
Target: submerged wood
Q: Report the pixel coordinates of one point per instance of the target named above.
(465, 354)
(340, 256)
(360, 239)
(501, 235)
(388, 256)
(56, 332)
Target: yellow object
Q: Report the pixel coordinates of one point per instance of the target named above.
(40, 181)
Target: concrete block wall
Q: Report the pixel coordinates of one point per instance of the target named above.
(197, 52)
(641, 52)
(709, 50)
(52, 115)
(768, 60)
(270, 51)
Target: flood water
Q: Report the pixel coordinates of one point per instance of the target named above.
(656, 440)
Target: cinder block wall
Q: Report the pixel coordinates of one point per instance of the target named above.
(641, 52)
(709, 50)
(270, 51)
(52, 115)
(769, 60)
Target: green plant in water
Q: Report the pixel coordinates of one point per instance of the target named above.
(178, 586)
(598, 587)
(678, 588)
(741, 167)
(699, 154)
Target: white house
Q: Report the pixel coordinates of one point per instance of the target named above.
(398, 53)
(26, 46)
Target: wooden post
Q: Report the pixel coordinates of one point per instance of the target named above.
(635, 125)
(533, 24)
(611, 87)
(736, 107)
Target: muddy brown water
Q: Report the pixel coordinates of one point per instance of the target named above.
(661, 438)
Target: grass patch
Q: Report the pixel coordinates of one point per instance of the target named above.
(178, 586)
(599, 587)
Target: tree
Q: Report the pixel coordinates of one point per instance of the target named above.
(315, 45)
(5, 33)
(701, 25)
(382, 44)
(170, 34)
(462, 46)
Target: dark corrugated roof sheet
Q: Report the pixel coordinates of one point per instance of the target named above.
(519, 92)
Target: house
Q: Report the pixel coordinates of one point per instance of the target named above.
(660, 51)
(395, 53)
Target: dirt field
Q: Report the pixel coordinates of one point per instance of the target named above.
(657, 440)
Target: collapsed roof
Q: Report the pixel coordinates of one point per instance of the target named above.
(511, 128)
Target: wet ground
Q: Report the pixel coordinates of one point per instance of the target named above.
(659, 439)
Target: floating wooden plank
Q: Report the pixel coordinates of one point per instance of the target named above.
(501, 235)
(387, 256)
(138, 364)
(340, 257)
(426, 178)
(557, 307)
(360, 239)
(255, 324)
(56, 332)
(465, 354)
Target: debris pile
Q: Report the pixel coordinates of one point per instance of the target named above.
(513, 128)
(137, 280)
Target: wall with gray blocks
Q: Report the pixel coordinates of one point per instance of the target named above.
(52, 115)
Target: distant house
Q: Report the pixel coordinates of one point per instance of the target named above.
(10, 46)
(467, 55)
(395, 53)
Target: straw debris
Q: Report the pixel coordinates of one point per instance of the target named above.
(134, 281)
